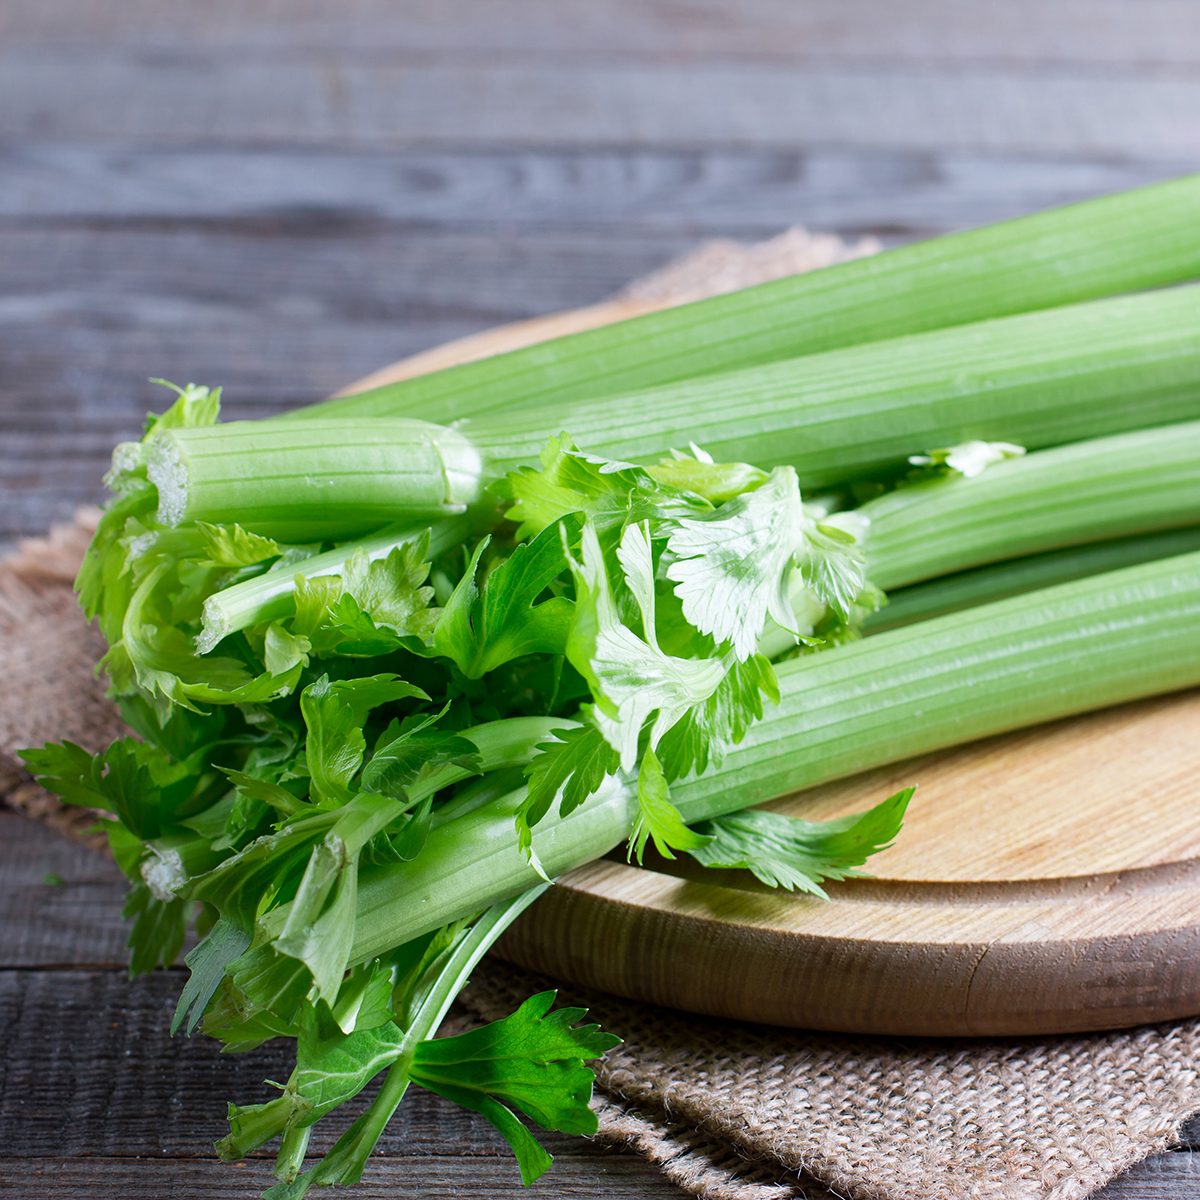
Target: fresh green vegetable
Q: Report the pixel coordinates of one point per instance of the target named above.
(1037, 657)
(1123, 243)
(389, 677)
(998, 581)
(1106, 487)
(1039, 379)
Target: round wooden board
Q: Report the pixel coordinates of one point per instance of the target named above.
(1046, 881)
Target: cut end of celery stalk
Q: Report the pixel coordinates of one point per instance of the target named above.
(215, 626)
(337, 479)
(167, 471)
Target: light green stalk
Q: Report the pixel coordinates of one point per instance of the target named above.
(1102, 488)
(272, 595)
(1033, 658)
(1041, 379)
(998, 581)
(1140, 239)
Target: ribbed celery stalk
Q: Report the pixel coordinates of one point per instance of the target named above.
(1039, 379)
(314, 481)
(1105, 487)
(1036, 657)
(998, 581)
(1140, 239)
(1143, 481)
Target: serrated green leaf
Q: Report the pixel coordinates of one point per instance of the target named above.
(334, 713)
(658, 818)
(484, 626)
(787, 852)
(630, 679)
(571, 768)
(283, 652)
(704, 734)
(232, 546)
(411, 750)
(831, 561)
(731, 568)
(532, 1060)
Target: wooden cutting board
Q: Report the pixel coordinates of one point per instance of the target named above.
(1046, 881)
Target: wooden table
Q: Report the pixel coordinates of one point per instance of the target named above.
(281, 196)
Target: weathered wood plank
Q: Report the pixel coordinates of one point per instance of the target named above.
(110, 281)
(1165, 1177)
(75, 921)
(87, 1067)
(1029, 33)
(88, 315)
(190, 97)
(701, 192)
(448, 1174)
(596, 1175)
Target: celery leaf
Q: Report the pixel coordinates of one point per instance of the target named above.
(532, 1060)
(485, 625)
(631, 679)
(658, 819)
(797, 855)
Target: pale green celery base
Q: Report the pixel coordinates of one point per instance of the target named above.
(1124, 243)
(1033, 658)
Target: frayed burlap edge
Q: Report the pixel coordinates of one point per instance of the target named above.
(43, 630)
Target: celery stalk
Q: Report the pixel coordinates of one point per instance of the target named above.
(1083, 645)
(1106, 487)
(1039, 379)
(1136, 240)
(998, 581)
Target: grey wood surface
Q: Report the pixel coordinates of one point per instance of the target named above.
(283, 195)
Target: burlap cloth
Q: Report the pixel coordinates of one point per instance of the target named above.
(727, 1111)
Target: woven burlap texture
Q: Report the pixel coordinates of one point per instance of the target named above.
(727, 1111)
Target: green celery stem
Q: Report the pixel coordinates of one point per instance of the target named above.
(1083, 645)
(1102, 488)
(315, 481)
(997, 581)
(1129, 242)
(1040, 379)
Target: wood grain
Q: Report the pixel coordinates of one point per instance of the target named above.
(335, 191)
(410, 1177)
(192, 97)
(1027, 33)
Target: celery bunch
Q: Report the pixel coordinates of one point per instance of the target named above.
(394, 663)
